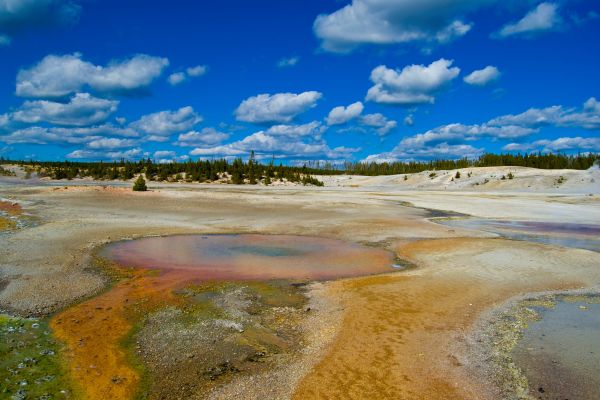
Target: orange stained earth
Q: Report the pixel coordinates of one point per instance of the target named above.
(403, 335)
(13, 209)
(94, 331)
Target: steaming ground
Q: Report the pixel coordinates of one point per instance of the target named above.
(400, 335)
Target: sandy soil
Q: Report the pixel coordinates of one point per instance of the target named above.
(402, 335)
(405, 336)
(481, 180)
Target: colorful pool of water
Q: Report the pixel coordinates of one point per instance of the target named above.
(250, 257)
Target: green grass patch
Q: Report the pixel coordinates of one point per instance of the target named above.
(30, 363)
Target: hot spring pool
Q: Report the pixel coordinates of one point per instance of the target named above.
(250, 257)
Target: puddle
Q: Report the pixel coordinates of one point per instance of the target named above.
(581, 236)
(249, 257)
(560, 353)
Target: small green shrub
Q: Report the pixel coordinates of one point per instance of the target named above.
(140, 184)
(309, 180)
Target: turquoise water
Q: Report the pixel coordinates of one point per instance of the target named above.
(272, 251)
(560, 354)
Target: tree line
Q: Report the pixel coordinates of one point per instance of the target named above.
(252, 172)
(236, 172)
(532, 160)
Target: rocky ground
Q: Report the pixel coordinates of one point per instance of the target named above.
(401, 335)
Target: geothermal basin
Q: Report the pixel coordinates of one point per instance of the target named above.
(154, 270)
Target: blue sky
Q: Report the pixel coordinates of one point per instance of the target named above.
(376, 80)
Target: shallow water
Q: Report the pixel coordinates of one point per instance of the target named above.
(560, 354)
(581, 236)
(240, 257)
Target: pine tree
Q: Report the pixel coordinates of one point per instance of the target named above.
(251, 170)
(140, 184)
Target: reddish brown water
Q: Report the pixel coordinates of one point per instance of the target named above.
(250, 257)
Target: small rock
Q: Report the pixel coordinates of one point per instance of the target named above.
(20, 395)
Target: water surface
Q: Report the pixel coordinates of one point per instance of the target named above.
(249, 256)
(560, 354)
(581, 236)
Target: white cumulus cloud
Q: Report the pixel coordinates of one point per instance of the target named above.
(207, 136)
(560, 144)
(176, 78)
(129, 154)
(64, 135)
(198, 70)
(288, 141)
(380, 122)
(439, 151)
(587, 118)
(83, 109)
(276, 108)
(452, 140)
(482, 77)
(165, 154)
(165, 123)
(191, 72)
(414, 84)
(394, 21)
(313, 129)
(542, 18)
(58, 76)
(340, 115)
(110, 143)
